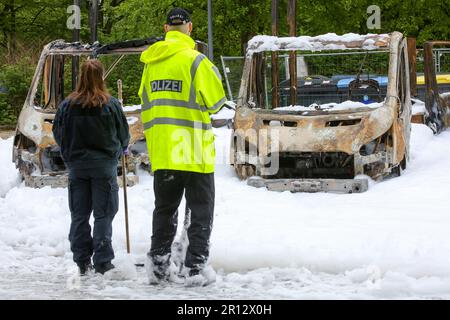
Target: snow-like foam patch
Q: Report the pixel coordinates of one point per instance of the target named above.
(132, 108)
(125, 268)
(391, 241)
(346, 105)
(9, 174)
(329, 41)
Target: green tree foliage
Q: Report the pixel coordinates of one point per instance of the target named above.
(14, 81)
(25, 26)
(422, 19)
(33, 22)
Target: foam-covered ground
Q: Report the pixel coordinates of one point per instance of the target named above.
(392, 241)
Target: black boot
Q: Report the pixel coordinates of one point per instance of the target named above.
(84, 267)
(103, 267)
(194, 272)
(161, 266)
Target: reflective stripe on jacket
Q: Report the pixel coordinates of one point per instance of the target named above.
(180, 88)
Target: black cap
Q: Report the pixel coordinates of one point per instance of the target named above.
(178, 16)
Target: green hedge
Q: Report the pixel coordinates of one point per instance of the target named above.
(15, 79)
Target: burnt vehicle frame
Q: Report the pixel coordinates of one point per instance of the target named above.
(322, 150)
(35, 153)
(437, 103)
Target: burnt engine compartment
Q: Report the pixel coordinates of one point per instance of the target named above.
(51, 160)
(312, 165)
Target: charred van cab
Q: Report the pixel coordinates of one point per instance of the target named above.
(35, 152)
(301, 140)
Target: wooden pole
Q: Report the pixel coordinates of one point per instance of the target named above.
(125, 200)
(93, 17)
(275, 75)
(75, 59)
(124, 176)
(291, 14)
(412, 58)
(210, 31)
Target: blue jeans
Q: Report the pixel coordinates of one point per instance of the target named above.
(92, 190)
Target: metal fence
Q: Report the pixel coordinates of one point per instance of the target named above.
(232, 70)
(328, 68)
(441, 58)
(326, 64)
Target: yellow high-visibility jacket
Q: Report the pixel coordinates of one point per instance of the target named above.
(179, 90)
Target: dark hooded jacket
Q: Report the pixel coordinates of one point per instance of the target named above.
(91, 137)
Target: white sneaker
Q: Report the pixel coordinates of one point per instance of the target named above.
(199, 278)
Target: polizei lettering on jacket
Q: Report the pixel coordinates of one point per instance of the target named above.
(167, 85)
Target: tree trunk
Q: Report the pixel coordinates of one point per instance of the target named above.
(11, 30)
(107, 27)
(245, 37)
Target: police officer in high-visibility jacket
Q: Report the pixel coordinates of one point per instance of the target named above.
(179, 91)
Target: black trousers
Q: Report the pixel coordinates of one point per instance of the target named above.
(92, 190)
(169, 186)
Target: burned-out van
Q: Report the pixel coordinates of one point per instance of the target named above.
(345, 116)
(35, 152)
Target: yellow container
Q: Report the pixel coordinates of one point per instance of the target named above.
(441, 79)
